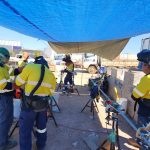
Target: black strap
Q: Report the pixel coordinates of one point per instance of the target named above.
(73, 66)
(135, 104)
(40, 80)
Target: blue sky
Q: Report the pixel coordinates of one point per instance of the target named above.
(132, 47)
(26, 41)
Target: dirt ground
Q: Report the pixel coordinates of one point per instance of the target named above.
(74, 127)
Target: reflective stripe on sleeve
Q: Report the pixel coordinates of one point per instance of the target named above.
(27, 94)
(138, 92)
(43, 84)
(40, 131)
(3, 81)
(20, 80)
(4, 91)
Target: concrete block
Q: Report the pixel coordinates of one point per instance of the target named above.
(111, 85)
(137, 77)
(120, 74)
(124, 87)
(128, 79)
(114, 72)
(117, 84)
(130, 109)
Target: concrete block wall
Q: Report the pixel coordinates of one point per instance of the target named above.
(115, 81)
(124, 81)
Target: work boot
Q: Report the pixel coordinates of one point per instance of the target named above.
(10, 144)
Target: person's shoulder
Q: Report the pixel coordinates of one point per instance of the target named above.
(148, 75)
(71, 62)
(146, 78)
(6, 66)
(48, 70)
(31, 66)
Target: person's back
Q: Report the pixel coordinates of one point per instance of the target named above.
(31, 74)
(35, 104)
(69, 66)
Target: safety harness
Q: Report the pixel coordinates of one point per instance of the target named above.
(35, 102)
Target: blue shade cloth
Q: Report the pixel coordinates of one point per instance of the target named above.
(76, 20)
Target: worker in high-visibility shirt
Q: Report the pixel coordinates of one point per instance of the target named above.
(24, 59)
(69, 70)
(30, 77)
(6, 101)
(21, 64)
(141, 93)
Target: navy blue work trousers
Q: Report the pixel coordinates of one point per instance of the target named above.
(143, 120)
(6, 118)
(29, 119)
(68, 78)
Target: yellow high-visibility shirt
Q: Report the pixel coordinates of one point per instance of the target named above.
(4, 77)
(21, 63)
(70, 66)
(142, 90)
(30, 76)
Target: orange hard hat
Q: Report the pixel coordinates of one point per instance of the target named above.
(25, 55)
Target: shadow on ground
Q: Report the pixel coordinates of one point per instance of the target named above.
(74, 126)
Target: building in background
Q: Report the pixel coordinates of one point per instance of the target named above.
(15, 47)
(12, 46)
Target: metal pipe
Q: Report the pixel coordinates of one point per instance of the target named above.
(121, 113)
(126, 118)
